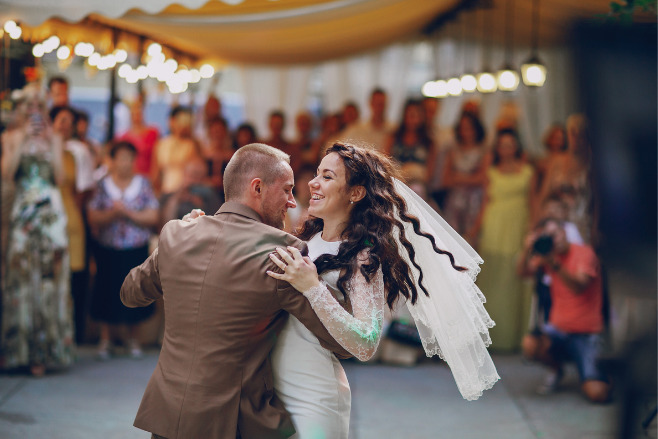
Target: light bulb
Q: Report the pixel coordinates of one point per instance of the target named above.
(533, 72)
(15, 33)
(486, 83)
(429, 89)
(170, 65)
(454, 87)
(154, 49)
(184, 75)
(508, 79)
(468, 83)
(132, 77)
(80, 49)
(51, 43)
(124, 70)
(9, 26)
(206, 71)
(195, 76)
(110, 60)
(38, 50)
(120, 55)
(142, 72)
(63, 52)
(94, 59)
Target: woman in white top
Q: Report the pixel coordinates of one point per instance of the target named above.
(373, 241)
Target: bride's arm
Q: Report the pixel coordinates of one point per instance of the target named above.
(360, 333)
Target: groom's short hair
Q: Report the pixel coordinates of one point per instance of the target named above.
(255, 160)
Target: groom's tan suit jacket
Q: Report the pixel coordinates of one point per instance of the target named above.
(213, 379)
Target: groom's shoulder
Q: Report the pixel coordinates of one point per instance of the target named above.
(283, 238)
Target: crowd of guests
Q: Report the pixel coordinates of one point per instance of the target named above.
(78, 208)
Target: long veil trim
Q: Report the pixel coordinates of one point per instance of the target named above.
(452, 321)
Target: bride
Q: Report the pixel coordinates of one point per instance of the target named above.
(372, 242)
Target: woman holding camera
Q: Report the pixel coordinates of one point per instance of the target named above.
(502, 225)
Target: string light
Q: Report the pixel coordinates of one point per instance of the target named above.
(15, 33)
(120, 55)
(429, 89)
(170, 65)
(124, 70)
(142, 72)
(94, 59)
(154, 49)
(158, 66)
(51, 44)
(9, 26)
(486, 83)
(454, 87)
(38, 51)
(132, 77)
(508, 79)
(469, 83)
(63, 52)
(195, 76)
(206, 71)
(83, 49)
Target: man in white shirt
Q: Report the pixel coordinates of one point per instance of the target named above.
(375, 131)
(64, 120)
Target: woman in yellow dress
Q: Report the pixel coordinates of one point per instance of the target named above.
(503, 223)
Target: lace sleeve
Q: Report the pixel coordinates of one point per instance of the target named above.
(360, 333)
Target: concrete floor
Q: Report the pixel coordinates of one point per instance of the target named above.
(99, 400)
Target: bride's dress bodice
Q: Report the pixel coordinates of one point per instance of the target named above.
(307, 377)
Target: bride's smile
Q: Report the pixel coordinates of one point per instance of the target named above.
(330, 194)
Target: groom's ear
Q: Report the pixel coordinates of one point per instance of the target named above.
(256, 187)
(358, 193)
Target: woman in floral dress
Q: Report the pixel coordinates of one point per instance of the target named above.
(37, 327)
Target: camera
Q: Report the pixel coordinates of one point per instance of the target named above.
(543, 245)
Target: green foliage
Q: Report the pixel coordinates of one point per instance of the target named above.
(623, 11)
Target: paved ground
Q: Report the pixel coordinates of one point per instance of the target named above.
(99, 400)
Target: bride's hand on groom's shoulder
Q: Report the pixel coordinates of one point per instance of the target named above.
(299, 271)
(194, 214)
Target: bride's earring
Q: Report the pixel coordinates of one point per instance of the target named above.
(351, 202)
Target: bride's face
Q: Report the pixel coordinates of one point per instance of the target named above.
(330, 195)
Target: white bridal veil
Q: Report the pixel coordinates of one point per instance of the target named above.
(452, 321)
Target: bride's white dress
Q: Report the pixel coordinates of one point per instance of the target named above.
(308, 378)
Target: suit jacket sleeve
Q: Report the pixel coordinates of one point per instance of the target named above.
(142, 285)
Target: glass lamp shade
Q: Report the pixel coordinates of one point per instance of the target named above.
(507, 78)
(533, 72)
(486, 82)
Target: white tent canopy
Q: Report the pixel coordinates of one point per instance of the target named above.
(35, 12)
(355, 44)
(296, 31)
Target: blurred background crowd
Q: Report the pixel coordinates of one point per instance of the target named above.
(118, 195)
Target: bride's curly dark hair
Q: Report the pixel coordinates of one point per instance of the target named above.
(371, 225)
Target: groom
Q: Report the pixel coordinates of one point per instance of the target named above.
(213, 379)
